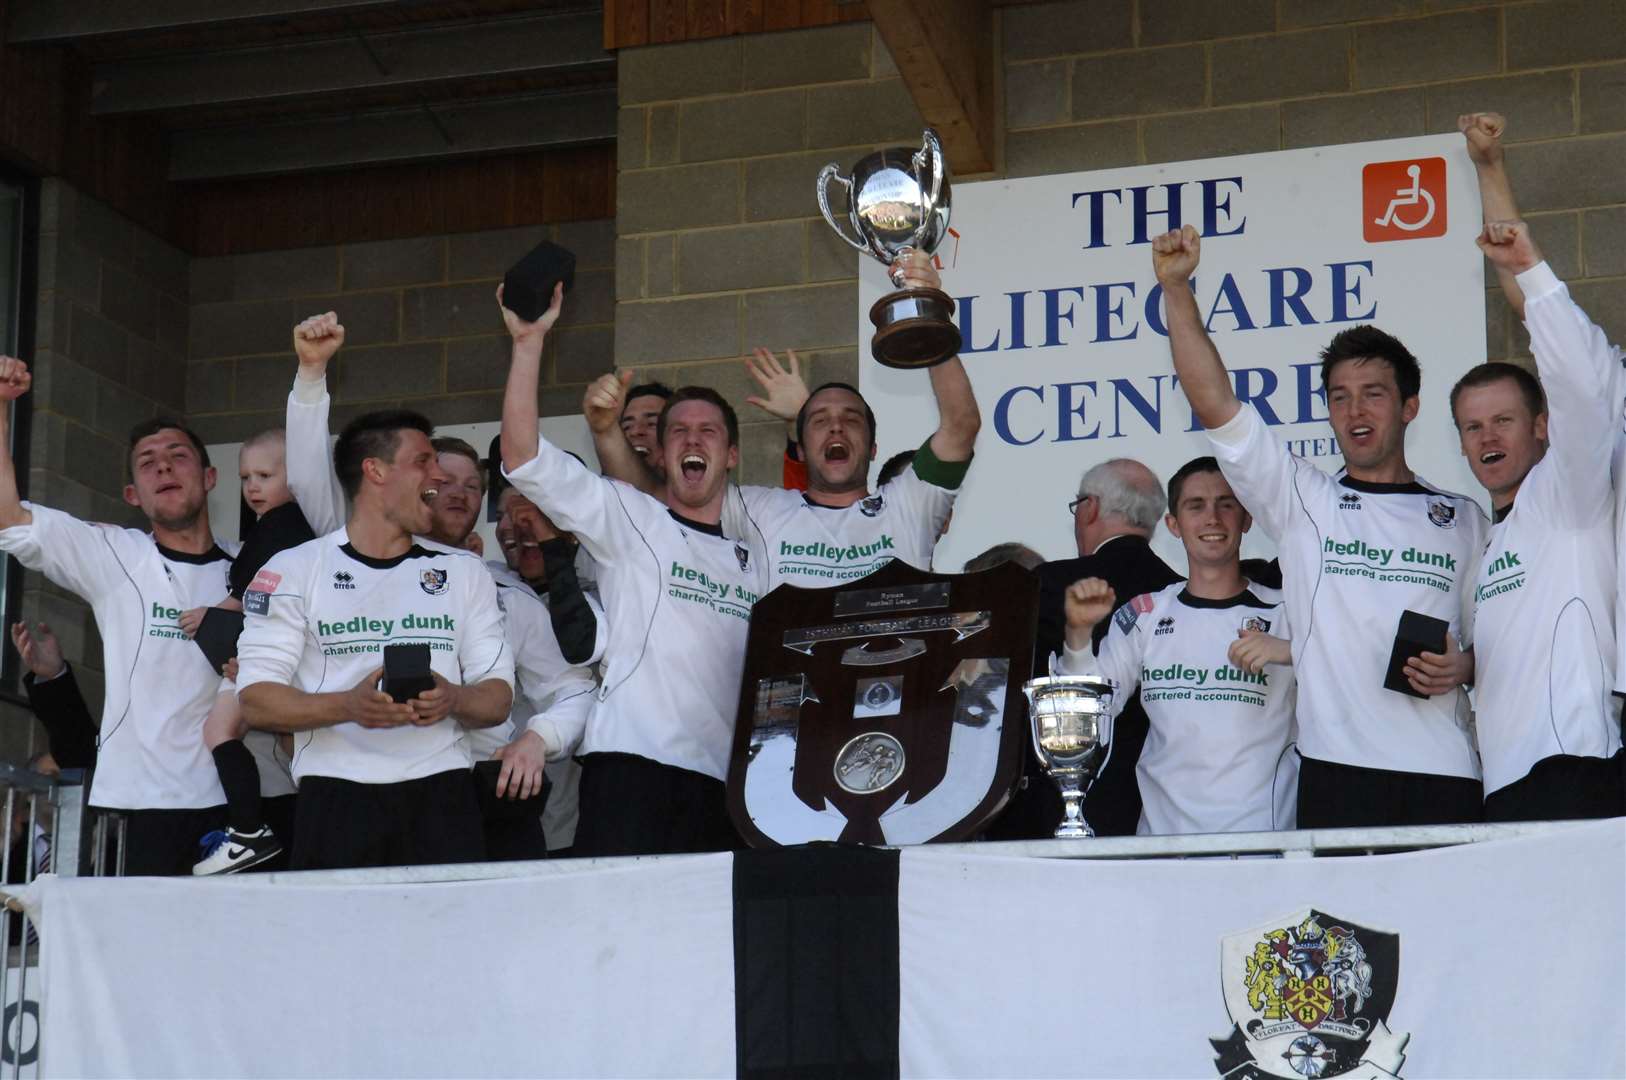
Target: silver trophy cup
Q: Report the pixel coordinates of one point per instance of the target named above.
(1067, 712)
(897, 203)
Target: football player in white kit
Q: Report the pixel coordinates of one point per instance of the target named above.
(152, 763)
(1211, 661)
(384, 772)
(837, 530)
(1357, 551)
(544, 680)
(677, 593)
(1544, 604)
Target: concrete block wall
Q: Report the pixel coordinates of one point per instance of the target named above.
(109, 351)
(422, 329)
(1102, 83)
(719, 245)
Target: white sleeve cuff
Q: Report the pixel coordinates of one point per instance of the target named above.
(1074, 661)
(1538, 281)
(1234, 432)
(309, 391)
(552, 741)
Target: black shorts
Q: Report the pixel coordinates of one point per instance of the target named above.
(165, 843)
(342, 823)
(631, 805)
(1562, 787)
(1334, 796)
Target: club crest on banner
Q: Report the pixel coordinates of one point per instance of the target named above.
(1310, 996)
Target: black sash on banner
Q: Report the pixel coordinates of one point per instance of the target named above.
(816, 963)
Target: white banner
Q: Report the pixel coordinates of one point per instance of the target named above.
(578, 971)
(1499, 959)
(1063, 326)
(1494, 959)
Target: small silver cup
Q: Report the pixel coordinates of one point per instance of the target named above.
(1067, 713)
(898, 202)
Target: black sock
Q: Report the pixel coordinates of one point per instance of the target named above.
(241, 779)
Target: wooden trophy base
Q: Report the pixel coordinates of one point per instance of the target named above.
(914, 328)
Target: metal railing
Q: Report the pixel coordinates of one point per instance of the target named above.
(43, 832)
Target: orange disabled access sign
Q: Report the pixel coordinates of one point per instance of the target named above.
(1403, 200)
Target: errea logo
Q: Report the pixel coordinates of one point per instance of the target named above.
(1165, 625)
(343, 580)
(1349, 501)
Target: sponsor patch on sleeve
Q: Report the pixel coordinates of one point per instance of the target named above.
(1131, 612)
(1125, 618)
(257, 597)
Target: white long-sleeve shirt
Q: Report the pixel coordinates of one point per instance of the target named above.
(159, 685)
(317, 617)
(550, 694)
(309, 457)
(1216, 751)
(678, 597)
(1354, 556)
(1544, 633)
(818, 546)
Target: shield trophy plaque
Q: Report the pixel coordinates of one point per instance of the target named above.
(886, 710)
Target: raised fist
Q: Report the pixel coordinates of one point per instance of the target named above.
(316, 340)
(1509, 246)
(1484, 134)
(1087, 602)
(14, 378)
(604, 400)
(1175, 256)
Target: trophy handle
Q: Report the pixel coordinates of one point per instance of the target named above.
(931, 150)
(830, 172)
(931, 145)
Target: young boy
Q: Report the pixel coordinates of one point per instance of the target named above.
(247, 840)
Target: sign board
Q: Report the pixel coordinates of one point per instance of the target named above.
(1063, 324)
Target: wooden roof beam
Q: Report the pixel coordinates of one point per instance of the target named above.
(944, 49)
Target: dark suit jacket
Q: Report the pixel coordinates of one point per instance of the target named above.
(1128, 564)
(70, 727)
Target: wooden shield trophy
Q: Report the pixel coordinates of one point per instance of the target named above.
(887, 710)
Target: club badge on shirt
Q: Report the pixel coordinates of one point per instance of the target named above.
(432, 582)
(1442, 513)
(1254, 622)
